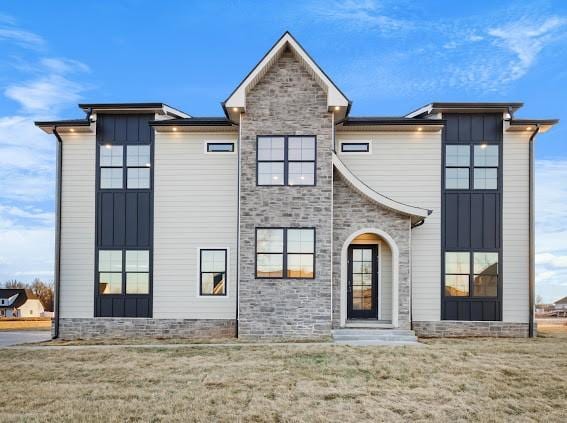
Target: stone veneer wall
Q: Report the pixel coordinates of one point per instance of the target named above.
(459, 328)
(123, 327)
(352, 212)
(287, 101)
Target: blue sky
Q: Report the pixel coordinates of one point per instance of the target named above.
(389, 57)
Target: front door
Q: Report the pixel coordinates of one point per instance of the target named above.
(362, 284)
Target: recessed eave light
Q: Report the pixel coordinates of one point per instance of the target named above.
(174, 129)
(72, 129)
(420, 129)
(529, 128)
(337, 107)
(235, 109)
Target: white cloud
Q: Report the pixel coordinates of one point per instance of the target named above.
(21, 37)
(526, 39)
(61, 65)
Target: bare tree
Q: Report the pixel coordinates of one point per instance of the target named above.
(44, 291)
(14, 284)
(538, 299)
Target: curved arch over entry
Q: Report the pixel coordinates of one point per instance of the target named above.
(395, 270)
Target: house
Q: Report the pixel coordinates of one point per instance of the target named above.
(287, 217)
(19, 303)
(560, 304)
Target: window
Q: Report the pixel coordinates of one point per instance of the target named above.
(457, 271)
(111, 163)
(457, 162)
(458, 278)
(220, 147)
(485, 166)
(485, 282)
(137, 272)
(286, 160)
(213, 272)
(355, 147)
(139, 163)
(110, 271)
(289, 252)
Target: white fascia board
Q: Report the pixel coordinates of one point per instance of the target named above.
(414, 212)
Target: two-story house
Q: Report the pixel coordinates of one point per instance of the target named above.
(287, 217)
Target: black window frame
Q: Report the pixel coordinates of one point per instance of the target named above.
(472, 274)
(101, 166)
(123, 272)
(286, 161)
(284, 252)
(201, 272)
(366, 143)
(474, 166)
(468, 168)
(230, 143)
(137, 167)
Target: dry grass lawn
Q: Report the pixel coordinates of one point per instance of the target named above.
(25, 324)
(449, 380)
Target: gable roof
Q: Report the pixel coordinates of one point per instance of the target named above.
(22, 296)
(237, 99)
(561, 301)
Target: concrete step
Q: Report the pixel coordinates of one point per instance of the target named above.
(373, 336)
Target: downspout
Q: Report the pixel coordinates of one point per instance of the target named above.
(57, 278)
(532, 236)
(238, 223)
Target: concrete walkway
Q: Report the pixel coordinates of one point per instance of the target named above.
(9, 338)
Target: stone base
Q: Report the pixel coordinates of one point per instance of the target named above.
(459, 328)
(122, 327)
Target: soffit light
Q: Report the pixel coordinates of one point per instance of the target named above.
(529, 128)
(337, 108)
(420, 129)
(174, 129)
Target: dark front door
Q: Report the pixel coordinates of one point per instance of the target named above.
(362, 286)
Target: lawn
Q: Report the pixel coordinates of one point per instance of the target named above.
(43, 323)
(448, 380)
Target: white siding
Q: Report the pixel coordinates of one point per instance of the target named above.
(31, 308)
(407, 168)
(78, 225)
(195, 206)
(515, 227)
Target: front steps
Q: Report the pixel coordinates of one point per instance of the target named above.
(374, 336)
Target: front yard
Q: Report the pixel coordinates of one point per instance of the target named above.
(449, 380)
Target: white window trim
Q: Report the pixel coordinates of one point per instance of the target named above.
(228, 272)
(355, 153)
(220, 153)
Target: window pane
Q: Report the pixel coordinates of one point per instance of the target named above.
(137, 261)
(213, 261)
(485, 286)
(111, 178)
(301, 173)
(137, 283)
(457, 263)
(270, 173)
(111, 155)
(486, 263)
(109, 261)
(300, 266)
(355, 147)
(457, 155)
(301, 148)
(486, 155)
(269, 240)
(138, 177)
(456, 285)
(138, 155)
(110, 283)
(300, 240)
(269, 265)
(457, 178)
(270, 148)
(213, 284)
(220, 147)
(485, 178)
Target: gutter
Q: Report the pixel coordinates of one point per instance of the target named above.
(531, 331)
(57, 274)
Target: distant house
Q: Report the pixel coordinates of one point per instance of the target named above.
(19, 303)
(561, 304)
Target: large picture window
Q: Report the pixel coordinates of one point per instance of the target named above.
(213, 272)
(117, 266)
(286, 160)
(471, 274)
(285, 252)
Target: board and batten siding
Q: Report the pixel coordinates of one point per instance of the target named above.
(195, 207)
(77, 226)
(515, 229)
(406, 166)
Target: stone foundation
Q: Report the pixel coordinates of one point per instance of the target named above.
(459, 328)
(119, 327)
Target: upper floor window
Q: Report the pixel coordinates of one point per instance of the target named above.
(285, 252)
(458, 167)
(457, 162)
(485, 166)
(220, 147)
(286, 160)
(138, 163)
(355, 147)
(111, 163)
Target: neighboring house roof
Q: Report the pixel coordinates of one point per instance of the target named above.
(237, 99)
(561, 301)
(17, 297)
(417, 214)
